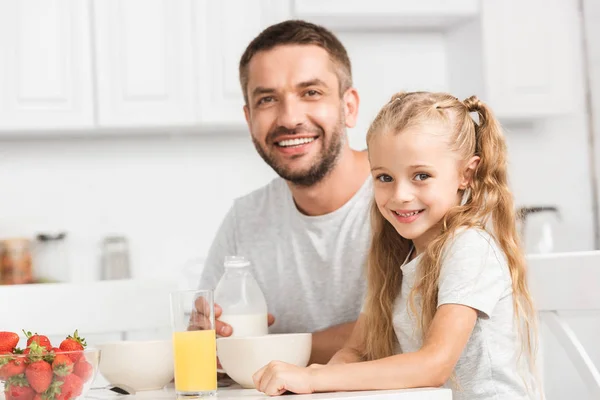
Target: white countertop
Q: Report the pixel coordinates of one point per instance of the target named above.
(236, 393)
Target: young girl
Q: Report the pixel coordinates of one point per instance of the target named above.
(447, 300)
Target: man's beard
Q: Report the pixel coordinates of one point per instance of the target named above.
(324, 163)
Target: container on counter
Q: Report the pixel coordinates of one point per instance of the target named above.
(115, 258)
(15, 261)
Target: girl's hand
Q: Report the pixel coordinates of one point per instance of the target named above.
(278, 377)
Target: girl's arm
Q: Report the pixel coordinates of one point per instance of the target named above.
(431, 366)
(351, 352)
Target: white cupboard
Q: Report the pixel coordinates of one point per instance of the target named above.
(140, 65)
(45, 65)
(144, 68)
(519, 56)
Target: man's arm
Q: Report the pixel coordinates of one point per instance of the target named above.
(223, 244)
(328, 342)
(353, 349)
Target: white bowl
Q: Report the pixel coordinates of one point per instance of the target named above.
(241, 357)
(141, 365)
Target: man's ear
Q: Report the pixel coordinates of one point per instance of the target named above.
(351, 101)
(468, 172)
(247, 115)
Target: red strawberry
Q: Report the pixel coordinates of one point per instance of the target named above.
(72, 387)
(8, 341)
(53, 391)
(62, 365)
(39, 375)
(37, 397)
(16, 388)
(74, 343)
(11, 366)
(35, 352)
(42, 340)
(83, 369)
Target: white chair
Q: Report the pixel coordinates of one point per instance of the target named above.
(93, 308)
(568, 282)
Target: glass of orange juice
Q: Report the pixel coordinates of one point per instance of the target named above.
(194, 343)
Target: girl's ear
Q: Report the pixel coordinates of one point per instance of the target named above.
(468, 172)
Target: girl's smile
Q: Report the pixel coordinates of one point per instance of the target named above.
(407, 216)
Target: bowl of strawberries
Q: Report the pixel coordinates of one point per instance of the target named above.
(40, 371)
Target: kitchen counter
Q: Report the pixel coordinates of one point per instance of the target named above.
(236, 393)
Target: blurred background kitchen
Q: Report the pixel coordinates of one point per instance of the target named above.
(123, 142)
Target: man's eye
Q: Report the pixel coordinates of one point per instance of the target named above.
(312, 93)
(421, 177)
(384, 178)
(263, 100)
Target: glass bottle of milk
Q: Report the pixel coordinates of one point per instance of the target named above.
(239, 296)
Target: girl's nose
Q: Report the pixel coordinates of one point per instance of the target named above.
(403, 193)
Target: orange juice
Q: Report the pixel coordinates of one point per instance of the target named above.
(195, 357)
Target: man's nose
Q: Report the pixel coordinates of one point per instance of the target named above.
(290, 114)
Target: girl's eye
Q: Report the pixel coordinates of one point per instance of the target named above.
(421, 177)
(384, 178)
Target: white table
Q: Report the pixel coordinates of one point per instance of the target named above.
(236, 393)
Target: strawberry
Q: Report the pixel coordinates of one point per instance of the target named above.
(38, 397)
(39, 375)
(62, 365)
(17, 388)
(74, 343)
(35, 352)
(83, 369)
(11, 366)
(72, 387)
(42, 340)
(8, 341)
(53, 391)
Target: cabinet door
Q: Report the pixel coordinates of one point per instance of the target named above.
(223, 30)
(144, 62)
(529, 56)
(45, 71)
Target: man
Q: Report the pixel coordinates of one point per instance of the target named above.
(307, 232)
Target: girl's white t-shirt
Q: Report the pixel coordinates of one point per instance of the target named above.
(474, 273)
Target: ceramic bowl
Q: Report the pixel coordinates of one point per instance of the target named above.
(241, 357)
(140, 365)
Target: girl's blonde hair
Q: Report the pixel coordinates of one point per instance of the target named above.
(490, 202)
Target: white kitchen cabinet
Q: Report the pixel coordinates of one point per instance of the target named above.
(519, 57)
(144, 63)
(45, 68)
(386, 14)
(223, 30)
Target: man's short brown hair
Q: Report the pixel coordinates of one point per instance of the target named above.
(298, 32)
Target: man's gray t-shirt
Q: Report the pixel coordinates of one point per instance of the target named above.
(310, 269)
(474, 273)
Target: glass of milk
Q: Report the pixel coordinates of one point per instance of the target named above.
(239, 296)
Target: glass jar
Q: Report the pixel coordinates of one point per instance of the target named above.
(15, 261)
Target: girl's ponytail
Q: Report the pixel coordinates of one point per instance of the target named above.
(490, 182)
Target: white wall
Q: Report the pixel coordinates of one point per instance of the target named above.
(167, 194)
